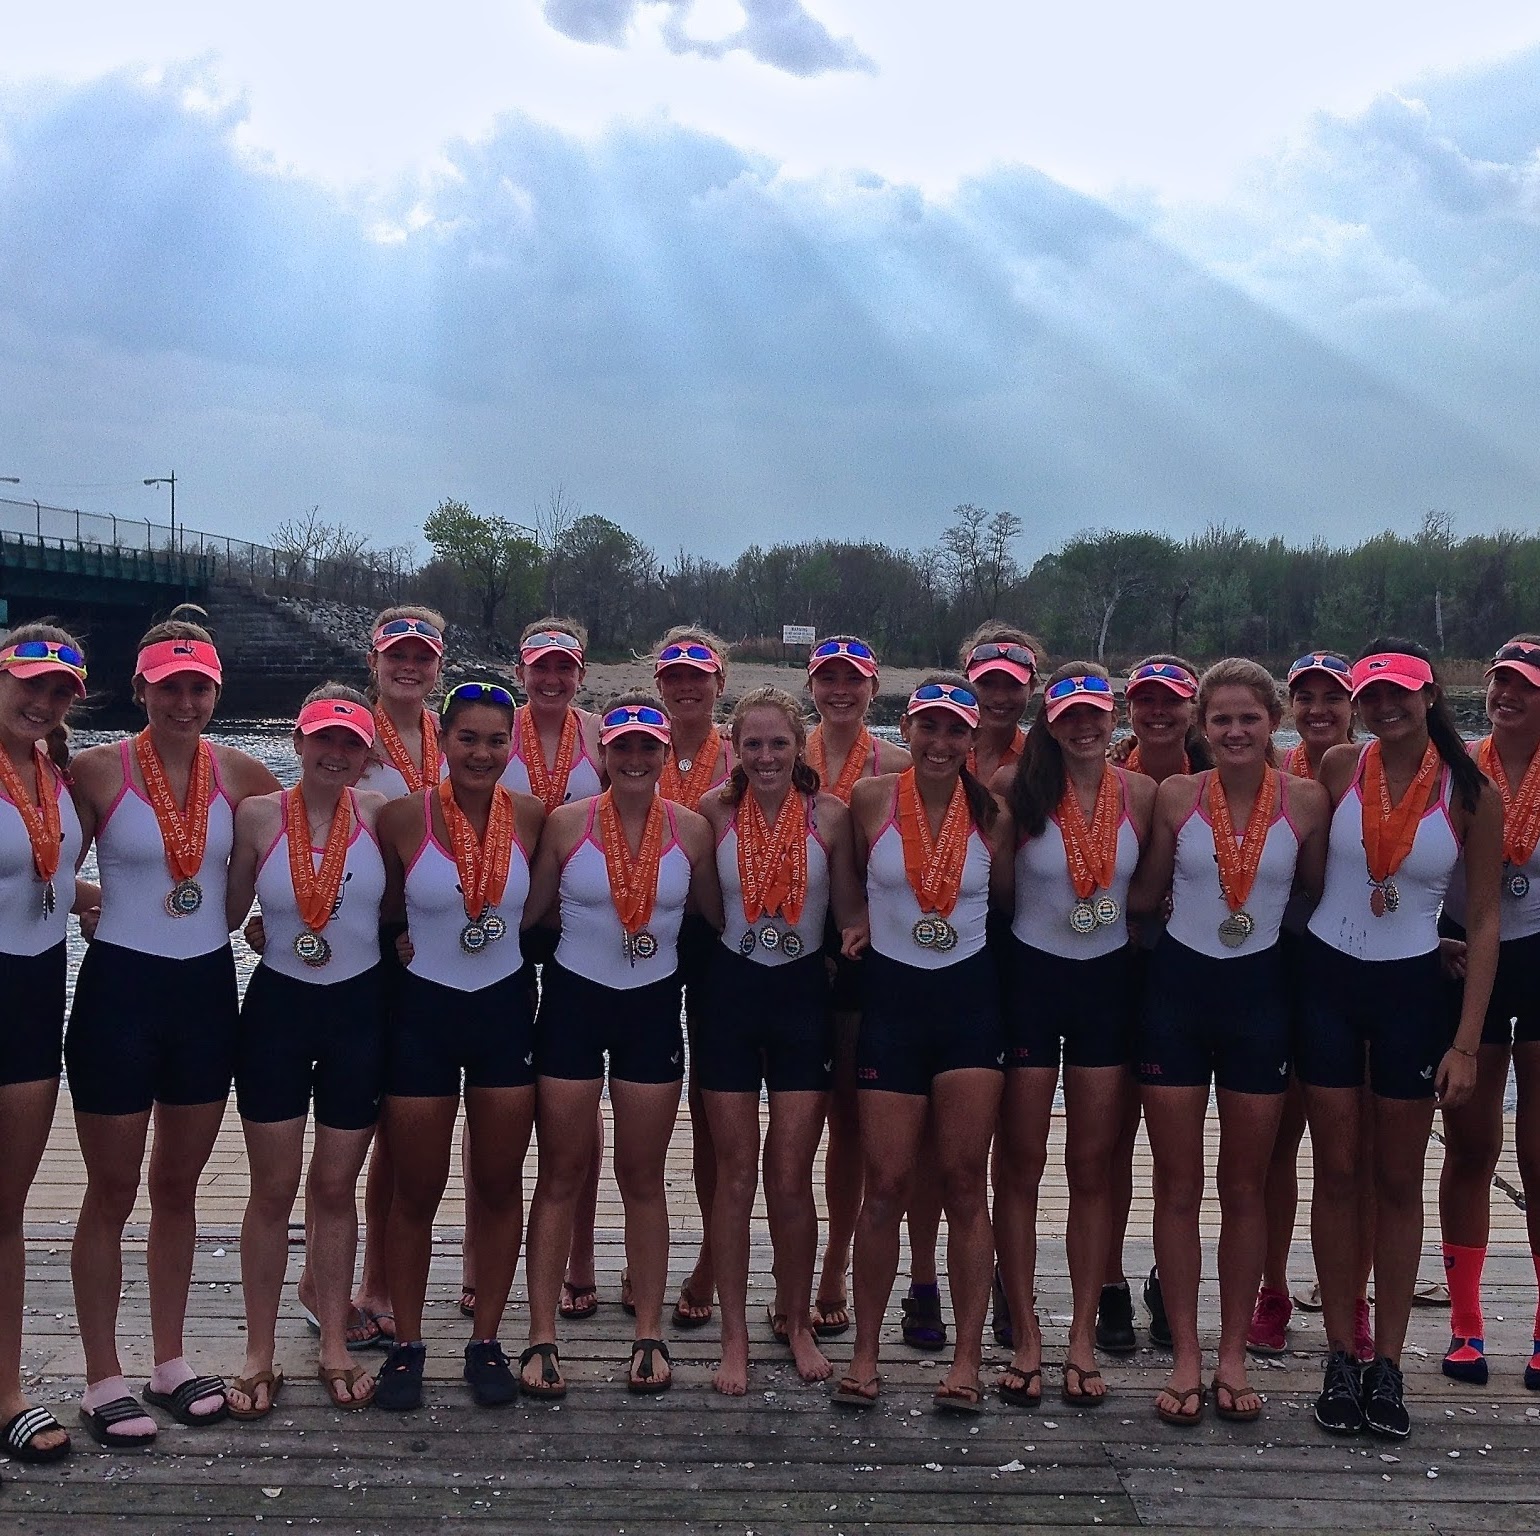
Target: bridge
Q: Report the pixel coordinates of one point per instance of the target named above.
(107, 579)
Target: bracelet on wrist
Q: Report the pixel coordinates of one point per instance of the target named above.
(1461, 1049)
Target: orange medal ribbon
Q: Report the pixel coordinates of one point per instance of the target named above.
(315, 890)
(633, 881)
(1390, 830)
(1135, 764)
(401, 759)
(40, 820)
(686, 789)
(1298, 762)
(550, 784)
(1238, 865)
(850, 770)
(1010, 755)
(184, 832)
(934, 865)
(772, 861)
(1090, 852)
(1521, 811)
(482, 863)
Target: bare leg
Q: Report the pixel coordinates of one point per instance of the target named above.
(796, 1120)
(373, 1293)
(422, 1133)
(842, 1168)
(735, 1135)
(26, 1112)
(1473, 1142)
(580, 1274)
(1120, 1187)
(697, 1292)
(1021, 1154)
(331, 1200)
(1282, 1194)
(1401, 1128)
(1333, 1115)
(1093, 1097)
(498, 1126)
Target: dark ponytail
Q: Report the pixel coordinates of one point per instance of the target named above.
(1442, 731)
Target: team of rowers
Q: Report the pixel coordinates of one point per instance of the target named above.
(909, 944)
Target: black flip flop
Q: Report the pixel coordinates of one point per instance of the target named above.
(179, 1403)
(551, 1387)
(18, 1435)
(644, 1379)
(99, 1422)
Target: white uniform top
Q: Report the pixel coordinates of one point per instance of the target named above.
(815, 905)
(1045, 895)
(1518, 916)
(1343, 918)
(435, 916)
(582, 778)
(136, 879)
(353, 930)
(25, 929)
(593, 939)
(387, 779)
(1197, 904)
(894, 908)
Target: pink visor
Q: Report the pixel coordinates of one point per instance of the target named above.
(1409, 672)
(857, 652)
(1521, 657)
(945, 696)
(687, 653)
(165, 658)
(642, 718)
(1162, 674)
(319, 714)
(1016, 661)
(1069, 691)
(32, 658)
(394, 631)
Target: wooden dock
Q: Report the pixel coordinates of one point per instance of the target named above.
(781, 1459)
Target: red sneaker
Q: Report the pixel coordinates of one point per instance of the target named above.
(1268, 1334)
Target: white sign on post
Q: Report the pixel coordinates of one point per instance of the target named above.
(798, 634)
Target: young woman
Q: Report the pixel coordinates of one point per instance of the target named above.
(406, 659)
(1322, 713)
(620, 870)
(458, 855)
(784, 861)
(1406, 807)
(1473, 1132)
(842, 678)
(42, 673)
(1165, 741)
(936, 846)
(1230, 845)
(555, 758)
(312, 1030)
(1081, 823)
(690, 668)
(154, 1019)
(1000, 663)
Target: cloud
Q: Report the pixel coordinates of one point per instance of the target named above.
(711, 351)
(780, 33)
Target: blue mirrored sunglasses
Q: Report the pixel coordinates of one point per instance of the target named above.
(1320, 661)
(843, 648)
(690, 652)
(479, 693)
(1072, 685)
(47, 650)
(635, 714)
(1164, 670)
(933, 693)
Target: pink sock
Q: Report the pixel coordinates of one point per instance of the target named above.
(1462, 1271)
(1536, 1334)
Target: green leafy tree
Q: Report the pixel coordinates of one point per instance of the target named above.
(496, 559)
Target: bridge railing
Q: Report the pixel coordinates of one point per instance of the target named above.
(364, 576)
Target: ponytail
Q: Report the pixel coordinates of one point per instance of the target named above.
(982, 806)
(1442, 732)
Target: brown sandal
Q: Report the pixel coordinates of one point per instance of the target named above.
(339, 1384)
(248, 1387)
(1233, 1414)
(1079, 1397)
(1183, 1417)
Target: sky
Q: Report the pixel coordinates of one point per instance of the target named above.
(736, 271)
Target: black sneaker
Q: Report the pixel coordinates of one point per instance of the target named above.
(491, 1378)
(1115, 1320)
(1160, 1327)
(1339, 1408)
(1384, 1406)
(398, 1387)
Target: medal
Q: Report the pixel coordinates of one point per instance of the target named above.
(401, 760)
(770, 937)
(933, 865)
(791, 945)
(1107, 911)
(633, 881)
(183, 832)
(1383, 897)
(185, 899)
(1082, 918)
(747, 942)
(1521, 815)
(1235, 929)
(549, 784)
(641, 945)
(686, 779)
(41, 820)
(850, 770)
(1238, 865)
(482, 864)
(1390, 830)
(772, 867)
(313, 949)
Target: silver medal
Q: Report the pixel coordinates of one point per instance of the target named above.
(313, 949)
(946, 935)
(747, 943)
(494, 926)
(643, 946)
(1107, 911)
(791, 945)
(770, 937)
(924, 932)
(1236, 929)
(1082, 918)
(185, 898)
(1518, 885)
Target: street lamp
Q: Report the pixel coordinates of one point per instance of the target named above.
(171, 481)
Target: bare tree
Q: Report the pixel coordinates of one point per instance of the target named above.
(553, 518)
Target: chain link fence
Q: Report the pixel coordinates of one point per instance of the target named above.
(371, 577)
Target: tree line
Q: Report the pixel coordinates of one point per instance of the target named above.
(1105, 594)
